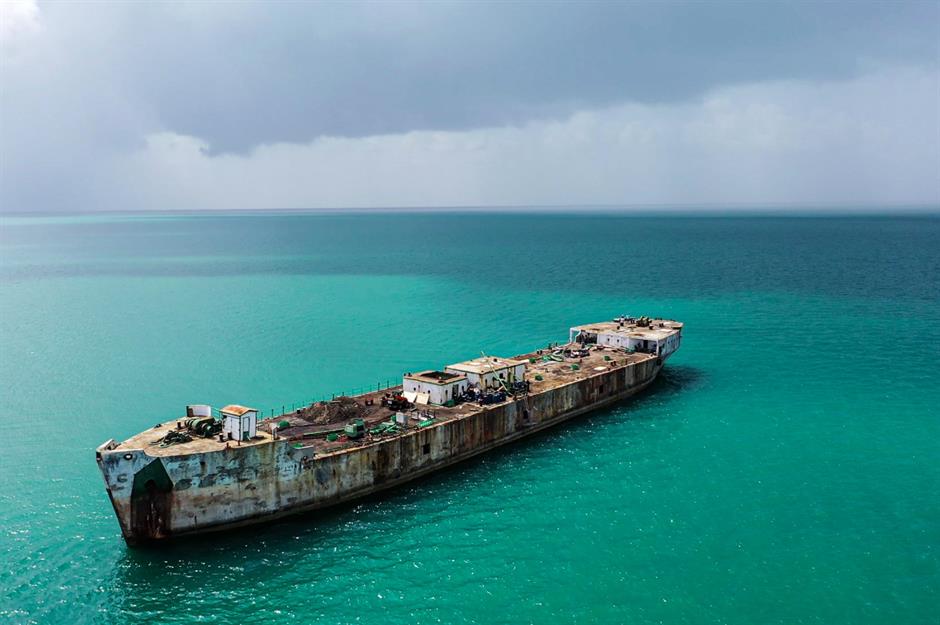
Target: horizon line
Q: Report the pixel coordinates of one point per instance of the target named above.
(678, 209)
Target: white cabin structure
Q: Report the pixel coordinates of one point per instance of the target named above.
(238, 422)
(487, 372)
(654, 336)
(433, 387)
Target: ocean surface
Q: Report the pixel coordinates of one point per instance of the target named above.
(785, 468)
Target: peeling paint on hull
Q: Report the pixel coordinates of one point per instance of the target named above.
(239, 486)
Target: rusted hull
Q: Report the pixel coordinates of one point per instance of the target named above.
(160, 498)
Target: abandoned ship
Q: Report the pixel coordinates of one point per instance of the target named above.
(219, 469)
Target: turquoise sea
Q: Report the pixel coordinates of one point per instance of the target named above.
(784, 469)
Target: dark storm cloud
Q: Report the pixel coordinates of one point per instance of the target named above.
(242, 75)
(291, 104)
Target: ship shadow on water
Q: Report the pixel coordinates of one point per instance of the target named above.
(312, 531)
(673, 380)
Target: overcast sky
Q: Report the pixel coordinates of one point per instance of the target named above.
(127, 106)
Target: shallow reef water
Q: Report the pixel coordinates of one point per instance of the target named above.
(784, 468)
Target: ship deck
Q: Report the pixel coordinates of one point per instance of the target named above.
(303, 432)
